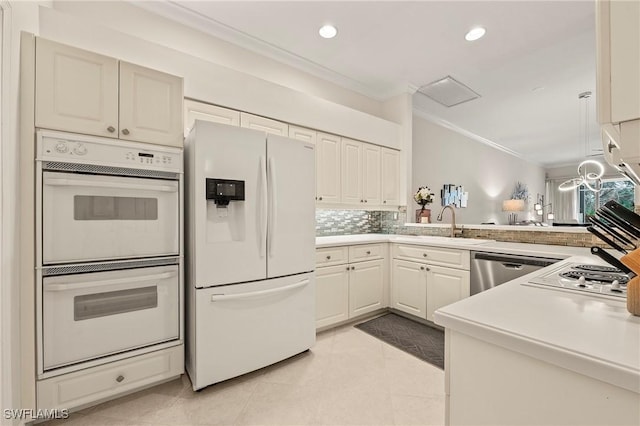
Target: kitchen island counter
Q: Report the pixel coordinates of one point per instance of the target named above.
(532, 331)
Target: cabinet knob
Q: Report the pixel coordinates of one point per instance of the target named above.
(120, 378)
(368, 251)
(428, 269)
(316, 198)
(348, 268)
(362, 201)
(353, 268)
(365, 201)
(424, 254)
(329, 257)
(111, 129)
(422, 268)
(125, 131)
(320, 198)
(384, 202)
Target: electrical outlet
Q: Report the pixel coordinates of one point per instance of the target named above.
(395, 215)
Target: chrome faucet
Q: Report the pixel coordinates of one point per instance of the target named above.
(454, 230)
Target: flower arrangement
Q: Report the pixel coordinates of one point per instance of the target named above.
(423, 196)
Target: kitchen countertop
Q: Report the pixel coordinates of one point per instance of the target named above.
(542, 250)
(570, 229)
(589, 335)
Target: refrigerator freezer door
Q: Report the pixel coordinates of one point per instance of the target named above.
(291, 225)
(226, 243)
(244, 327)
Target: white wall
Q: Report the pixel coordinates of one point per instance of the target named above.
(442, 156)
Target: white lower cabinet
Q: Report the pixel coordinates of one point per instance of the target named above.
(332, 295)
(420, 288)
(366, 287)
(352, 288)
(444, 287)
(92, 385)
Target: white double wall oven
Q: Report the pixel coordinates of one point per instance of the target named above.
(108, 250)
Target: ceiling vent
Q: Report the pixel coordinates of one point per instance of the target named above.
(448, 92)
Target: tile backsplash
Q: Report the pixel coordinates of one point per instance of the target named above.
(345, 222)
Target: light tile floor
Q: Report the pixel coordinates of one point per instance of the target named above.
(347, 378)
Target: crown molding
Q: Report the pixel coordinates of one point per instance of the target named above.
(448, 125)
(180, 13)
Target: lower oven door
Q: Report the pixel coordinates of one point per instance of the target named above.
(86, 316)
(98, 217)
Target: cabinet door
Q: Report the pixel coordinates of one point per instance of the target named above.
(444, 287)
(366, 287)
(328, 156)
(409, 288)
(150, 106)
(76, 90)
(332, 295)
(390, 177)
(266, 125)
(194, 110)
(625, 60)
(371, 174)
(351, 172)
(302, 134)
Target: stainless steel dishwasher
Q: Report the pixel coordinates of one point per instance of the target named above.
(491, 269)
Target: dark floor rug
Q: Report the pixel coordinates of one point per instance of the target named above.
(422, 341)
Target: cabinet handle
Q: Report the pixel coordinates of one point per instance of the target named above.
(368, 251)
(424, 254)
(120, 378)
(329, 257)
(125, 131)
(111, 129)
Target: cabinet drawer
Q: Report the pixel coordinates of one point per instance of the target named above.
(432, 255)
(93, 385)
(365, 252)
(328, 256)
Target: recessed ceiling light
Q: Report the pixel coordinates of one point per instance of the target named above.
(475, 34)
(328, 31)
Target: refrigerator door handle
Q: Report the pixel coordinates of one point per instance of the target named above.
(273, 207)
(263, 206)
(223, 297)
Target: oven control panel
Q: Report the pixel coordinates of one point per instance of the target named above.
(58, 146)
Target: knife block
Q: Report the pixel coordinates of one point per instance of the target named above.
(633, 296)
(632, 261)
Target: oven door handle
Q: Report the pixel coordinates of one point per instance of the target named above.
(100, 184)
(104, 283)
(223, 297)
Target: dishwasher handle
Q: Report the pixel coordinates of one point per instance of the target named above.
(512, 260)
(514, 266)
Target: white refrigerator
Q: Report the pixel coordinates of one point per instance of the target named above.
(250, 247)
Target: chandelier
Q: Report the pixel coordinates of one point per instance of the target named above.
(589, 171)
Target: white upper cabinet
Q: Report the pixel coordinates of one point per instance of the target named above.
(328, 160)
(150, 105)
(351, 171)
(371, 174)
(83, 92)
(267, 125)
(618, 60)
(390, 177)
(76, 90)
(194, 110)
(303, 134)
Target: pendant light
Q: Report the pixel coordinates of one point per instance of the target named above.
(589, 171)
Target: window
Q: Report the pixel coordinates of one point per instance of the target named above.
(620, 190)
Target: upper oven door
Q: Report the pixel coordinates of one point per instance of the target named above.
(99, 217)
